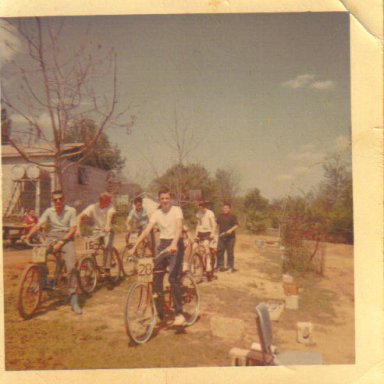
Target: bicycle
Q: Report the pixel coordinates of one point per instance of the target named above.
(129, 263)
(46, 273)
(90, 265)
(140, 310)
(198, 263)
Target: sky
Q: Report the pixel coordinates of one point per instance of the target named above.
(264, 95)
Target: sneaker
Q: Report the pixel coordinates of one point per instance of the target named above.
(232, 270)
(222, 269)
(75, 305)
(179, 321)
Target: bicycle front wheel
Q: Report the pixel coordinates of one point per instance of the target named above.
(87, 274)
(29, 292)
(139, 316)
(128, 263)
(196, 267)
(190, 298)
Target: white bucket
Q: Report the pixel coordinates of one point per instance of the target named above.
(292, 301)
(304, 332)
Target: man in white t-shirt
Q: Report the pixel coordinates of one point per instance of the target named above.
(205, 229)
(102, 214)
(169, 220)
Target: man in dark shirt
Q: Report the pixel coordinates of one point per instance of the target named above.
(227, 224)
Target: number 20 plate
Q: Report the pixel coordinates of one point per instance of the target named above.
(145, 269)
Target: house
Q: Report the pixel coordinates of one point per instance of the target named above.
(26, 185)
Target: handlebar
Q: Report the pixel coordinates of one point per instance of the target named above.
(34, 245)
(163, 252)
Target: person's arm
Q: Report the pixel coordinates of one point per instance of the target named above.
(196, 231)
(68, 237)
(179, 229)
(110, 215)
(234, 227)
(33, 230)
(142, 236)
(213, 225)
(128, 221)
(70, 234)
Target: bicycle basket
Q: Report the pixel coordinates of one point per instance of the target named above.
(39, 254)
(145, 269)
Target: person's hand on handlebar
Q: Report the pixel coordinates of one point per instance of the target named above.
(172, 248)
(57, 247)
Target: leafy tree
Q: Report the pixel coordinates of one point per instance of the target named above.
(334, 201)
(103, 154)
(227, 182)
(181, 179)
(256, 211)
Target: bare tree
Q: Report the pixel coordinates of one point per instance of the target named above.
(228, 181)
(60, 85)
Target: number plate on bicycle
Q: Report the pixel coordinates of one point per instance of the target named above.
(145, 269)
(91, 244)
(133, 237)
(39, 254)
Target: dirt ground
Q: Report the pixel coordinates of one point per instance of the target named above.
(58, 339)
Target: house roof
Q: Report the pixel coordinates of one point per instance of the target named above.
(38, 150)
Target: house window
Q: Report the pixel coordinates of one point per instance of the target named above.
(83, 176)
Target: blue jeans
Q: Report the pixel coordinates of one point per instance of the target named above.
(108, 243)
(175, 262)
(226, 243)
(68, 253)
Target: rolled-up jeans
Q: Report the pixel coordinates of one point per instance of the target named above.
(175, 262)
(108, 243)
(68, 254)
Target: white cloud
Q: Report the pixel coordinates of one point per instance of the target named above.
(299, 81)
(308, 81)
(323, 85)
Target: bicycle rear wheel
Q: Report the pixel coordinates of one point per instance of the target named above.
(196, 266)
(87, 274)
(139, 315)
(190, 298)
(29, 292)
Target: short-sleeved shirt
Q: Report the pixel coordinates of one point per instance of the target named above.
(226, 222)
(166, 222)
(59, 223)
(99, 215)
(206, 221)
(140, 218)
